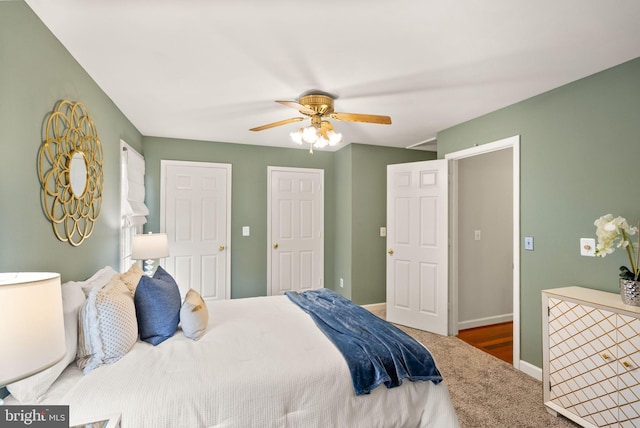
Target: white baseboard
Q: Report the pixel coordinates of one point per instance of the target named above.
(479, 322)
(533, 371)
(375, 307)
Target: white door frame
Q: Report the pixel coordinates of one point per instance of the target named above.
(269, 239)
(453, 158)
(163, 178)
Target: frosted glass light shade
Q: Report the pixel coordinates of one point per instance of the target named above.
(321, 142)
(31, 324)
(297, 136)
(310, 134)
(318, 137)
(334, 138)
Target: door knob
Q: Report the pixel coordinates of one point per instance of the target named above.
(390, 251)
(221, 248)
(275, 246)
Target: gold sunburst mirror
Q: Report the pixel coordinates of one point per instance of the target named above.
(70, 171)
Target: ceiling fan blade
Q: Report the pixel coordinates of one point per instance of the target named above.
(278, 123)
(296, 105)
(354, 117)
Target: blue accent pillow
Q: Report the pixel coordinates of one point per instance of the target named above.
(157, 302)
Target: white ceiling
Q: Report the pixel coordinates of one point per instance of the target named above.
(210, 70)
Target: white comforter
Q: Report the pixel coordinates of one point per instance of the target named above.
(263, 363)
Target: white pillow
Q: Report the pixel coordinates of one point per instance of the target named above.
(194, 315)
(108, 328)
(98, 279)
(31, 389)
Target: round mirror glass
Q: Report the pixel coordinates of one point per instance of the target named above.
(78, 174)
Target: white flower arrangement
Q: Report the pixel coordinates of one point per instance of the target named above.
(614, 233)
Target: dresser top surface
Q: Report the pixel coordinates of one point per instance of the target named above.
(596, 297)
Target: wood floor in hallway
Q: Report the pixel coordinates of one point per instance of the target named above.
(496, 339)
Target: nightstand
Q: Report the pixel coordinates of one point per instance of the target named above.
(111, 421)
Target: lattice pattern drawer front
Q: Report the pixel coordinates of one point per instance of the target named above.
(582, 360)
(629, 370)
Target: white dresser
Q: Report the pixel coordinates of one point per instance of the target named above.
(591, 357)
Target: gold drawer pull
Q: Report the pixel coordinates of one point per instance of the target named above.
(627, 364)
(606, 356)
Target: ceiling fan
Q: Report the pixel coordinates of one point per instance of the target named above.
(318, 106)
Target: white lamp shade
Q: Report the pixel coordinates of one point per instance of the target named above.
(150, 246)
(31, 324)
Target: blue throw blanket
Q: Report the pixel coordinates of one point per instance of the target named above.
(376, 351)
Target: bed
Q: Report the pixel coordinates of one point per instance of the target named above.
(262, 362)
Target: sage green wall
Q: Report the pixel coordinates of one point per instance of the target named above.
(579, 157)
(344, 214)
(368, 213)
(248, 199)
(354, 250)
(36, 71)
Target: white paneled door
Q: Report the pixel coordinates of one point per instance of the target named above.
(417, 245)
(296, 229)
(196, 216)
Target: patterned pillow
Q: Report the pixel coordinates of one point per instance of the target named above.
(157, 301)
(108, 328)
(194, 315)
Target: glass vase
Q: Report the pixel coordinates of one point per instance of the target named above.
(630, 292)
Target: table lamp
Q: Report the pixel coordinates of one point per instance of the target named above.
(148, 247)
(32, 334)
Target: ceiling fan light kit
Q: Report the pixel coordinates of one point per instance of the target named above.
(320, 133)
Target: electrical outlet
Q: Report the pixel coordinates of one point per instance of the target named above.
(477, 235)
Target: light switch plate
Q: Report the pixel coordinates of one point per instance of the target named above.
(588, 247)
(383, 231)
(245, 231)
(528, 243)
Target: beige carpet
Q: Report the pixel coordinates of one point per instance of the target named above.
(486, 391)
